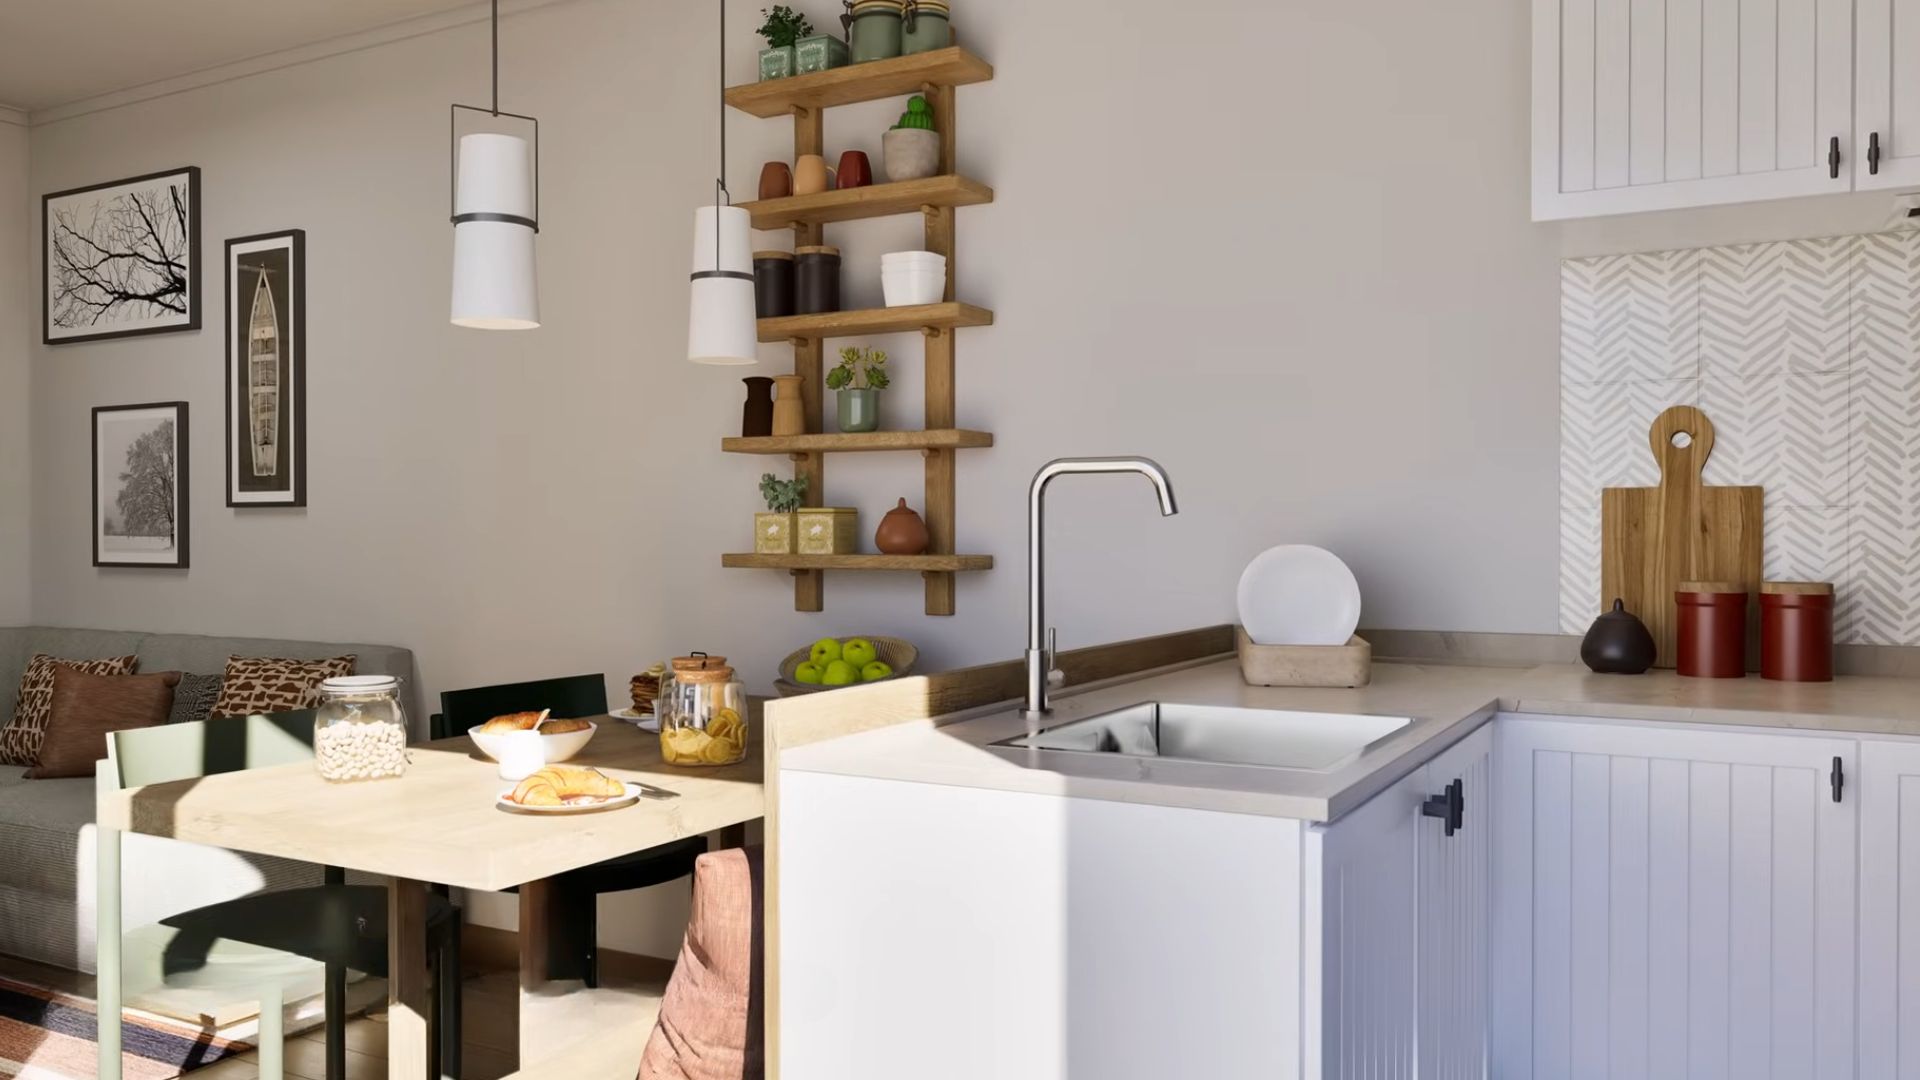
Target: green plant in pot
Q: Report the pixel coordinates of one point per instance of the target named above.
(857, 380)
(774, 532)
(783, 28)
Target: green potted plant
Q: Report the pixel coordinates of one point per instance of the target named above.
(774, 531)
(858, 379)
(912, 146)
(783, 28)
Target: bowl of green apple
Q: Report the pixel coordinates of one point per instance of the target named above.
(837, 663)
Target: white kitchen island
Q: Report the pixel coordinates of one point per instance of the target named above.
(1649, 876)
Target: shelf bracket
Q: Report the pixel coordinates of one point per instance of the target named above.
(932, 332)
(796, 342)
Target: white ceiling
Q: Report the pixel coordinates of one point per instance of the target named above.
(53, 52)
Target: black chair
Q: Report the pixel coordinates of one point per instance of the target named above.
(571, 697)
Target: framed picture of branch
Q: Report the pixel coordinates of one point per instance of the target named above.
(121, 258)
(140, 485)
(267, 369)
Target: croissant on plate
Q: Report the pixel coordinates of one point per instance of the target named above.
(555, 784)
(520, 721)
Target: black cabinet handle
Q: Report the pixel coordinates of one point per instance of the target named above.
(1838, 778)
(1449, 806)
(1833, 158)
(1873, 153)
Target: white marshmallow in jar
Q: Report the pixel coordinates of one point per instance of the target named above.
(360, 729)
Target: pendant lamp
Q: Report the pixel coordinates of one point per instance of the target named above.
(496, 212)
(720, 324)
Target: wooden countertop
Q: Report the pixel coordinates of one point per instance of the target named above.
(438, 823)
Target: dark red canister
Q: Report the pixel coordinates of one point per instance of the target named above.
(1710, 633)
(1796, 631)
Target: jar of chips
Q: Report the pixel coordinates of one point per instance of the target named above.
(704, 721)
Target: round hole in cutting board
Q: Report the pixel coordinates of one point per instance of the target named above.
(1681, 440)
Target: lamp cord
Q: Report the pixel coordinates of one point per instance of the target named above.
(496, 57)
(720, 182)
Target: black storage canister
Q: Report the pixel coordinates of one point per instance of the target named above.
(772, 284)
(817, 280)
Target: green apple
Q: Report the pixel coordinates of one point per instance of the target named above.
(809, 673)
(824, 652)
(875, 671)
(840, 673)
(859, 652)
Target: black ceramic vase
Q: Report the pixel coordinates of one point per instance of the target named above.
(756, 418)
(1618, 643)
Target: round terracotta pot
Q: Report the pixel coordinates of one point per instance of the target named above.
(902, 532)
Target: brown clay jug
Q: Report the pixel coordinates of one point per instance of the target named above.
(901, 532)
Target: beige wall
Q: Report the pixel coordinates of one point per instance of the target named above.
(18, 328)
(1282, 248)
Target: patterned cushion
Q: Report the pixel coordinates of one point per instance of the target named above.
(193, 699)
(20, 742)
(260, 684)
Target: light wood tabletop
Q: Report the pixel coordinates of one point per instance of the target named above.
(439, 822)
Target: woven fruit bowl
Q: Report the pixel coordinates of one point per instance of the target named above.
(891, 651)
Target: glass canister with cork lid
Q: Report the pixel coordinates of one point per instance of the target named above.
(705, 718)
(360, 729)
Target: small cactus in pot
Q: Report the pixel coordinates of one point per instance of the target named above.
(912, 147)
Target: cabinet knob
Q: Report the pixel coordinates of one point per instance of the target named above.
(1833, 158)
(1450, 806)
(1873, 153)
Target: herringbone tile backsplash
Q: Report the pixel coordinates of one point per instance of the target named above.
(1805, 354)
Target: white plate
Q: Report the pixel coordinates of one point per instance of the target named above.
(1297, 594)
(646, 723)
(629, 794)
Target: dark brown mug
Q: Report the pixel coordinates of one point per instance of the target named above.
(855, 169)
(776, 180)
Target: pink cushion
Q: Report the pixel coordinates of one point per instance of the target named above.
(711, 1023)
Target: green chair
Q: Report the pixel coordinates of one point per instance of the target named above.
(570, 697)
(341, 926)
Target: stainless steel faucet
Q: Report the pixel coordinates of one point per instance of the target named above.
(1041, 640)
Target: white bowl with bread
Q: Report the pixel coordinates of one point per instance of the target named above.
(560, 739)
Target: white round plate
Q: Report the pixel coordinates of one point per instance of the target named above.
(629, 794)
(1297, 594)
(646, 723)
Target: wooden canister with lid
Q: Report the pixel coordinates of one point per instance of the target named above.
(1710, 634)
(1796, 631)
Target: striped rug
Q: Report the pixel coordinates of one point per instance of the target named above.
(48, 1035)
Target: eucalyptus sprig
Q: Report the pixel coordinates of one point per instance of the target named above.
(784, 26)
(783, 496)
(859, 369)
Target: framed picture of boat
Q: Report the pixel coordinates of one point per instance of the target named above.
(267, 370)
(121, 258)
(140, 485)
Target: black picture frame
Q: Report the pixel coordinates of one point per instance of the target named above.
(272, 250)
(190, 274)
(177, 557)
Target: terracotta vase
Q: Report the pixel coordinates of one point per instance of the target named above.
(901, 532)
(789, 414)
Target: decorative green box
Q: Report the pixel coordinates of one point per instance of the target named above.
(819, 53)
(776, 63)
(828, 530)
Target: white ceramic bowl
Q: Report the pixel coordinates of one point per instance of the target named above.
(557, 748)
(912, 288)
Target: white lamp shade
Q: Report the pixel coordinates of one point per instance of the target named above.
(721, 326)
(494, 283)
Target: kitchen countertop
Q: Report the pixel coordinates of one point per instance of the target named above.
(1446, 701)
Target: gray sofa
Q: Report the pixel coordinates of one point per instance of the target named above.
(46, 826)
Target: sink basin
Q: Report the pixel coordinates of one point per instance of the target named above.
(1268, 738)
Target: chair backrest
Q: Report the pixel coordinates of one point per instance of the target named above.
(573, 696)
(166, 752)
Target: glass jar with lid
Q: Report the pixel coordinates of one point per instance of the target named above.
(873, 28)
(704, 721)
(360, 729)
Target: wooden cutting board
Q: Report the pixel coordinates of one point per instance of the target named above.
(1652, 539)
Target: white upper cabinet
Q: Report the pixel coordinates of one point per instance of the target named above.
(1886, 124)
(1657, 104)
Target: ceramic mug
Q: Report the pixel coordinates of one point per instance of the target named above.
(811, 175)
(522, 753)
(855, 170)
(776, 180)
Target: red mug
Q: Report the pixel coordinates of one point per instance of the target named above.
(855, 169)
(776, 180)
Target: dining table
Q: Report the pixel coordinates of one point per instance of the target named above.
(440, 824)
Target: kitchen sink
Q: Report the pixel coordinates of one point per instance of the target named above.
(1221, 735)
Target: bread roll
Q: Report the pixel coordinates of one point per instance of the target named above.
(561, 727)
(520, 721)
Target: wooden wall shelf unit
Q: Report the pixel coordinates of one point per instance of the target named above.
(805, 98)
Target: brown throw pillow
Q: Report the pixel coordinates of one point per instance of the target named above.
(262, 684)
(711, 1017)
(20, 741)
(86, 708)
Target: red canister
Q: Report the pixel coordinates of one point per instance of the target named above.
(1711, 631)
(1796, 631)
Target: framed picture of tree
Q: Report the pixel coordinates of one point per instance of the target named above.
(267, 369)
(121, 258)
(140, 485)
